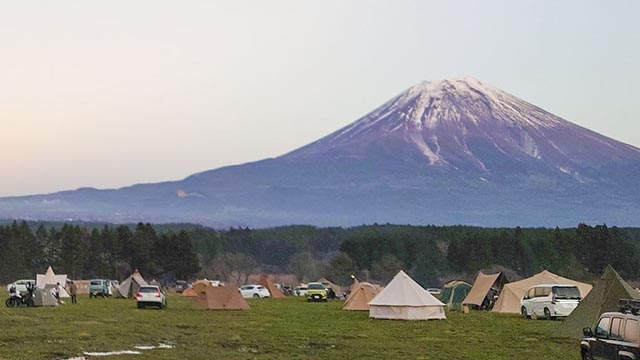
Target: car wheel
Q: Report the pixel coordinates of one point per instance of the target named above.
(586, 355)
(547, 314)
(90, 295)
(255, 296)
(523, 312)
(139, 306)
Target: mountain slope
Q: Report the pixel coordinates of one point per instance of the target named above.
(444, 152)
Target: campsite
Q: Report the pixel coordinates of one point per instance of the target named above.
(287, 328)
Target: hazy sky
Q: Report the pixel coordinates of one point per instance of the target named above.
(111, 93)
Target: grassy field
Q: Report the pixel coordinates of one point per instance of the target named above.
(273, 329)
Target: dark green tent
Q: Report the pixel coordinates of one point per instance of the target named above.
(606, 293)
(454, 293)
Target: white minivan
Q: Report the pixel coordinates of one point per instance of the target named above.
(550, 301)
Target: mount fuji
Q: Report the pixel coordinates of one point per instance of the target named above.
(442, 152)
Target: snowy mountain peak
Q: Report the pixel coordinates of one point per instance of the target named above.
(465, 124)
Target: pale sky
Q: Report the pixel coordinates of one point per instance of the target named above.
(108, 94)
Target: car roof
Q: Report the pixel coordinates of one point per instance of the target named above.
(617, 313)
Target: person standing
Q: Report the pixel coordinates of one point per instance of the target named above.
(56, 293)
(73, 292)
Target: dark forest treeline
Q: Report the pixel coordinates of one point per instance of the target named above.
(84, 253)
(375, 252)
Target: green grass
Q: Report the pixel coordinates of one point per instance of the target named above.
(273, 329)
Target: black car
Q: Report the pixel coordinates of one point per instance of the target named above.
(615, 336)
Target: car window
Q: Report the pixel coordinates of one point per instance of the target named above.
(148, 289)
(532, 293)
(631, 330)
(566, 292)
(260, 287)
(542, 291)
(96, 282)
(603, 327)
(615, 328)
(316, 286)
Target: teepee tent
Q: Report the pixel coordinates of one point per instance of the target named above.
(484, 289)
(130, 286)
(50, 278)
(360, 296)
(454, 292)
(221, 298)
(512, 293)
(405, 299)
(606, 293)
(269, 285)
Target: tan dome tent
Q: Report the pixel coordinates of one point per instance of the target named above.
(360, 296)
(189, 293)
(269, 285)
(221, 298)
(484, 288)
(50, 278)
(512, 293)
(405, 299)
(201, 285)
(130, 286)
(606, 293)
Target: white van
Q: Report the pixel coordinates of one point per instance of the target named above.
(550, 301)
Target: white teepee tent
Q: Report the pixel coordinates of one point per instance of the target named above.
(50, 278)
(405, 299)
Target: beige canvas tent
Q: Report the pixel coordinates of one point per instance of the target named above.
(606, 293)
(189, 293)
(43, 297)
(512, 293)
(269, 285)
(50, 278)
(360, 296)
(405, 299)
(484, 289)
(130, 286)
(221, 298)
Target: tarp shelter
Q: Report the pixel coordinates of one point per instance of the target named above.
(50, 278)
(130, 286)
(360, 296)
(606, 293)
(484, 288)
(269, 285)
(189, 293)
(221, 298)
(405, 299)
(454, 292)
(43, 297)
(512, 293)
